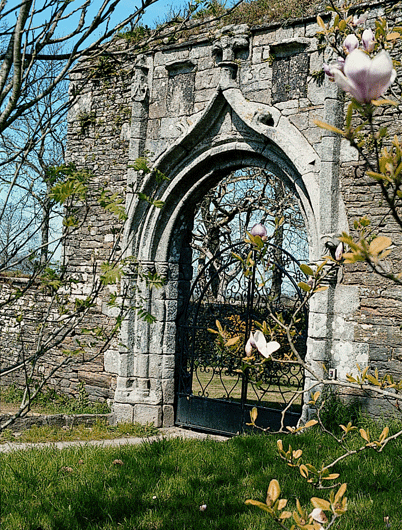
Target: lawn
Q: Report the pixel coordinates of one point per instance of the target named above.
(162, 484)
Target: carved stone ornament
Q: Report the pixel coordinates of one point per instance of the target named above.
(140, 88)
(229, 40)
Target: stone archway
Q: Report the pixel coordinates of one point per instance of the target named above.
(230, 134)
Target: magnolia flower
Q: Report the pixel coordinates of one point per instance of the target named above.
(328, 68)
(351, 43)
(357, 20)
(364, 78)
(318, 515)
(257, 340)
(259, 230)
(340, 63)
(339, 252)
(368, 40)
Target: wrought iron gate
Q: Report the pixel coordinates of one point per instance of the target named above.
(215, 390)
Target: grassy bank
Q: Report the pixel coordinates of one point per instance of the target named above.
(50, 402)
(161, 485)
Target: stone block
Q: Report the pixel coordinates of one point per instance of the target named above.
(168, 391)
(317, 350)
(342, 329)
(158, 310)
(347, 152)
(123, 413)
(144, 414)
(347, 300)
(156, 337)
(330, 148)
(318, 325)
(168, 416)
(168, 366)
(170, 128)
(111, 361)
(171, 310)
(169, 340)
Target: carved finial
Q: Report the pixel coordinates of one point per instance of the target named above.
(229, 40)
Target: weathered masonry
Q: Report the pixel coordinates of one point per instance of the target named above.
(223, 99)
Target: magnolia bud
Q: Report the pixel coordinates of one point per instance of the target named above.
(339, 252)
(350, 43)
(259, 230)
(368, 40)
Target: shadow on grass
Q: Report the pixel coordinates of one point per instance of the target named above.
(161, 485)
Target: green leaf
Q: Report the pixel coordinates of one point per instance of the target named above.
(253, 414)
(340, 493)
(379, 244)
(364, 435)
(320, 503)
(308, 271)
(259, 504)
(146, 316)
(328, 127)
(303, 471)
(111, 273)
(141, 164)
(232, 341)
(274, 490)
(310, 423)
(321, 23)
(304, 286)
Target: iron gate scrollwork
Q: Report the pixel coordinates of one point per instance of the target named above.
(215, 390)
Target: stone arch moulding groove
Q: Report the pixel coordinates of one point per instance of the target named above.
(230, 133)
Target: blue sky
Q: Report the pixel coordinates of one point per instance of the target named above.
(154, 14)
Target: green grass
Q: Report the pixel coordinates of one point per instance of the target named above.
(161, 485)
(217, 385)
(50, 402)
(101, 430)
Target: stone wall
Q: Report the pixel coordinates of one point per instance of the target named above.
(218, 99)
(27, 324)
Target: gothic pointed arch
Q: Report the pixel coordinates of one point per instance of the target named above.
(230, 134)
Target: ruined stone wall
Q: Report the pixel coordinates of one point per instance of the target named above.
(217, 99)
(377, 317)
(26, 325)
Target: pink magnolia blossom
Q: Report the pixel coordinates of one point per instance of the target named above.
(257, 340)
(339, 252)
(364, 78)
(357, 20)
(351, 43)
(259, 230)
(368, 40)
(318, 515)
(328, 68)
